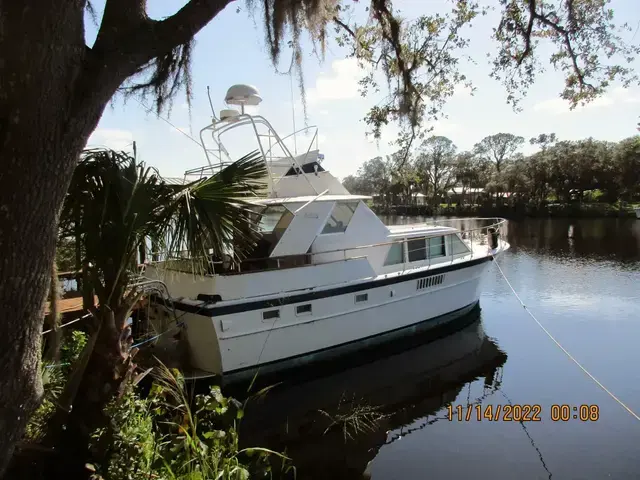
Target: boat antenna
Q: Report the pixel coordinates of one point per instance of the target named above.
(213, 112)
(293, 115)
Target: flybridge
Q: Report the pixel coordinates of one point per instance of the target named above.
(289, 174)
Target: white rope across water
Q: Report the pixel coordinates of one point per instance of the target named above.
(68, 323)
(562, 348)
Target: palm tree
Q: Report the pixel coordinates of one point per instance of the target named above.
(114, 204)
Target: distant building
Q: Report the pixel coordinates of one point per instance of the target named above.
(419, 198)
(459, 191)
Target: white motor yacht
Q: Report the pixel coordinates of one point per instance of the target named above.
(327, 277)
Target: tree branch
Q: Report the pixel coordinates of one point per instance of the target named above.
(346, 27)
(560, 30)
(128, 40)
(183, 25)
(120, 16)
(567, 42)
(527, 33)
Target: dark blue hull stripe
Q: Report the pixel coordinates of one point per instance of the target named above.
(211, 310)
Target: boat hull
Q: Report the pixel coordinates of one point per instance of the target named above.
(238, 343)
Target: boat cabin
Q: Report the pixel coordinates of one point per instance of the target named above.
(301, 231)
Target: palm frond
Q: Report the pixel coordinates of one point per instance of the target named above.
(214, 214)
(115, 203)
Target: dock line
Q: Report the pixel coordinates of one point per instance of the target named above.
(561, 347)
(68, 323)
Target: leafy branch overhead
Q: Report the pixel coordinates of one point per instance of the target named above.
(419, 59)
(588, 47)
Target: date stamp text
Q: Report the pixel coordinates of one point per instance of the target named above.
(522, 413)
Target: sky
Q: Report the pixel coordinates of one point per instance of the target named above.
(231, 50)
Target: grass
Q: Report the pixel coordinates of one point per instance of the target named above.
(353, 418)
(169, 435)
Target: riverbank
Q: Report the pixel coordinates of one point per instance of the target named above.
(552, 210)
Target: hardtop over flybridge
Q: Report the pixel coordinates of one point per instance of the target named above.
(327, 275)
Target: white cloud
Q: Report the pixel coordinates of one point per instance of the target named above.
(111, 138)
(558, 106)
(340, 84)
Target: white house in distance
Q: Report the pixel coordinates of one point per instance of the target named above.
(459, 191)
(419, 198)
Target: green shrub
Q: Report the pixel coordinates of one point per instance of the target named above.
(54, 377)
(167, 436)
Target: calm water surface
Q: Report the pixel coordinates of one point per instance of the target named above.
(585, 291)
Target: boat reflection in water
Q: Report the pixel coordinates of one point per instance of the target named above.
(332, 427)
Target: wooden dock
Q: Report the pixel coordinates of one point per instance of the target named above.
(72, 307)
(69, 306)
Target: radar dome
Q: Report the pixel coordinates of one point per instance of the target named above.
(243, 95)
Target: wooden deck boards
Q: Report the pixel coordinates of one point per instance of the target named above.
(67, 306)
(70, 306)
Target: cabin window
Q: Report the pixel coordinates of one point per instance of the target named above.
(271, 315)
(395, 254)
(283, 224)
(362, 297)
(340, 217)
(416, 250)
(303, 309)
(273, 216)
(457, 245)
(436, 247)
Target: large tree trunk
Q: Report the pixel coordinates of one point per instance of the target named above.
(43, 127)
(29, 207)
(53, 89)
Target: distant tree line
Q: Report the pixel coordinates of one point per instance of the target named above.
(561, 171)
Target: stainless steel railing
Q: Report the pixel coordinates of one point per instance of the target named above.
(475, 237)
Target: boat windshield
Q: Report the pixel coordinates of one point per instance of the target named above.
(273, 221)
(274, 217)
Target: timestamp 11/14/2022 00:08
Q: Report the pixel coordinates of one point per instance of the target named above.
(522, 413)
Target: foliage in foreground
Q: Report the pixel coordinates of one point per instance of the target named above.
(54, 378)
(113, 206)
(168, 435)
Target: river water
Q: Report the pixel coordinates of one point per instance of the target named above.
(387, 418)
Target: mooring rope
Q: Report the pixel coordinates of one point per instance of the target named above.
(68, 323)
(622, 404)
